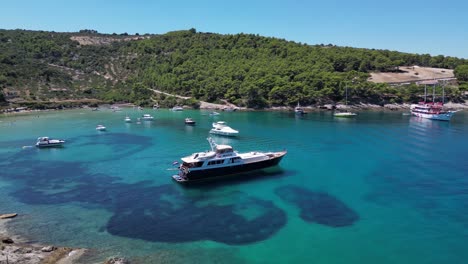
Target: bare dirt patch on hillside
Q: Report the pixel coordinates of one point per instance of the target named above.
(411, 74)
(101, 40)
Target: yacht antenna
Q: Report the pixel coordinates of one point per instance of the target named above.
(212, 144)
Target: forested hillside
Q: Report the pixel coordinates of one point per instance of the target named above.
(247, 70)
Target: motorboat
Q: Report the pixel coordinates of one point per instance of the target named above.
(214, 113)
(100, 128)
(177, 108)
(128, 119)
(46, 142)
(147, 117)
(220, 128)
(155, 107)
(344, 114)
(189, 121)
(222, 160)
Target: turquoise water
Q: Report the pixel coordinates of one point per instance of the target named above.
(380, 188)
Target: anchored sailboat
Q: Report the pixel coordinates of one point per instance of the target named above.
(432, 110)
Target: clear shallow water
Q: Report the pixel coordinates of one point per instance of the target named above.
(381, 188)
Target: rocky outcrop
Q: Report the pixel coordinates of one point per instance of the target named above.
(6, 216)
(117, 260)
(6, 240)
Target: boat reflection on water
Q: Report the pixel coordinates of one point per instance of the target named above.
(421, 122)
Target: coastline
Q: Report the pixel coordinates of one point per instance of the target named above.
(221, 107)
(16, 249)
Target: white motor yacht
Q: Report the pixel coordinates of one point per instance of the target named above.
(222, 160)
(220, 128)
(46, 142)
(128, 119)
(147, 117)
(100, 128)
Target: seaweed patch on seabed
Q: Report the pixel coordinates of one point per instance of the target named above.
(179, 219)
(154, 213)
(318, 207)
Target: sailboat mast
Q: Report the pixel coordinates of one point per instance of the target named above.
(425, 92)
(444, 82)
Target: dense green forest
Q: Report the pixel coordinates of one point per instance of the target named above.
(244, 69)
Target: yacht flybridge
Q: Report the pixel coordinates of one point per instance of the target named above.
(222, 160)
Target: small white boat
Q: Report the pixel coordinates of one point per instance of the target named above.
(214, 113)
(147, 117)
(46, 142)
(299, 110)
(100, 128)
(344, 114)
(155, 107)
(177, 108)
(189, 121)
(220, 128)
(128, 119)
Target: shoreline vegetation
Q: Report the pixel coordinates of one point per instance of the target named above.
(43, 69)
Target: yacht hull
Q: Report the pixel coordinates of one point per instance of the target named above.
(198, 175)
(442, 117)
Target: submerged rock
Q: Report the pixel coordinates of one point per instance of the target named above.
(6, 216)
(48, 249)
(318, 207)
(6, 240)
(117, 260)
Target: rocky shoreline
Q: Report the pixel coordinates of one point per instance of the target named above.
(324, 107)
(17, 250)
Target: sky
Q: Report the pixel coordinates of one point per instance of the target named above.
(415, 26)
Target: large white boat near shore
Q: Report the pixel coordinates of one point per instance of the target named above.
(222, 160)
(220, 128)
(432, 110)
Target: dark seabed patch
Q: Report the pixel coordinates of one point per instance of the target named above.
(180, 219)
(318, 207)
(154, 213)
